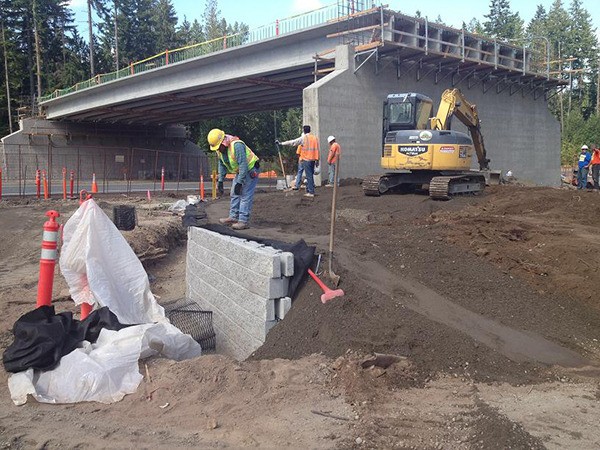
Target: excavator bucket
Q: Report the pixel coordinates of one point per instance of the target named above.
(494, 178)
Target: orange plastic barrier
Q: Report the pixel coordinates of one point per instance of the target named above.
(48, 259)
(38, 182)
(64, 172)
(269, 174)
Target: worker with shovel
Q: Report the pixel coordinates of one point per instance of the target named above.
(236, 157)
(309, 154)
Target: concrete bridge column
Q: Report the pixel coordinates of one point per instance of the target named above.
(520, 133)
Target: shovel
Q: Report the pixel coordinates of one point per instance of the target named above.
(335, 279)
(281, 163)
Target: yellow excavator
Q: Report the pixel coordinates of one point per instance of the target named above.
(423, 150)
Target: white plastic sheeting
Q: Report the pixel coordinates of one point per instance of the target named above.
(102, 270)
(104, 371)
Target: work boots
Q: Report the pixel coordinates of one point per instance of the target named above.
(239, 226)
(228, 221)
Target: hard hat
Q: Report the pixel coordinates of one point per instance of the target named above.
(215, 137)
(584, 147)
(330, 139)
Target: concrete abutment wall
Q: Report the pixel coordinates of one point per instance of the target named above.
(112, 150)
(519, 131)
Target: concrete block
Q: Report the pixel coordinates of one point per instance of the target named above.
(264, 260)
(252, 281)
(242, 283)
(282, 306)
(232, 320)
(270, 324)
(270, 309)
(200, 273)
(287, 264)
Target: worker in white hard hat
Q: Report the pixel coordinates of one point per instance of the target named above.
(236, 157)
(309, 156)
(333, 160)
(583, 167)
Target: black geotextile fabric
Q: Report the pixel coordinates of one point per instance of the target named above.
(194, 216)
(42, 337)
(303, 253)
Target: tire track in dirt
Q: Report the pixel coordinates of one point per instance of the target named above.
(515, 344)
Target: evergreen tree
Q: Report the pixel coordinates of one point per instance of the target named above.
(536, 38)
(165, 20)
(474, 26)
(501, 22)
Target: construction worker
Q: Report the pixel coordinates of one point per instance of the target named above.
(300, 169)
(332, 159)
(309, 154)
(236, 157)
(595, 162)
(583, 167)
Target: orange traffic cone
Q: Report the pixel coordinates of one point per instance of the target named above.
(94, 184)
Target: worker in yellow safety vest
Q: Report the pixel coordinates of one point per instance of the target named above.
(309, 154)
(236, 157)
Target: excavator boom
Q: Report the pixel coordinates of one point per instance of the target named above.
(453, 103)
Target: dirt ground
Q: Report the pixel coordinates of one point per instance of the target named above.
(490, 304)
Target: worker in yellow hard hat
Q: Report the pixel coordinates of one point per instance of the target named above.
(236, 157)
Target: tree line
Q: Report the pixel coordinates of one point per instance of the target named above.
(43, 50)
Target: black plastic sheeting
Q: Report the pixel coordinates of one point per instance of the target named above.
(42, 337)
(303, 253)
(194, 216)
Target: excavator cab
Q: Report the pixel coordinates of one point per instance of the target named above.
(410, 111)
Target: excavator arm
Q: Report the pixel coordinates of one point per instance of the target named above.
(453, 103)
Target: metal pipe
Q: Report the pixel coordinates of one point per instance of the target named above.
(426, 36)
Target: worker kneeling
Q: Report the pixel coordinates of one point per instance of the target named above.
(236, 157)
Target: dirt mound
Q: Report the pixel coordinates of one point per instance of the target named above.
(415, 243)
(548, 237)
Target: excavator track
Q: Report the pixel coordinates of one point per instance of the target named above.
(442, 188)
(372, 185)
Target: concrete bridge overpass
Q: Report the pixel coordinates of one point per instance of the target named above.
(339, 69)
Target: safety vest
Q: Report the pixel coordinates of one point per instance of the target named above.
(310, 148)
(596, 156)
(334, 152)
(231, 164)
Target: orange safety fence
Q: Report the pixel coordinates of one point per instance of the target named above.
(269, 174)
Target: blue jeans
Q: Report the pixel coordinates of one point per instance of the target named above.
(331, 179)
(241, 205)
(582, 174)
(299, 176)
(309, 169)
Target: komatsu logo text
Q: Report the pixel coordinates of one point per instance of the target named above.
(413, 150)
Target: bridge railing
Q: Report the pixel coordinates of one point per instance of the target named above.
(280, 27)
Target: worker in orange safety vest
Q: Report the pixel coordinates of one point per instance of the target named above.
(332, 159)
(595, 163)
(309, 154)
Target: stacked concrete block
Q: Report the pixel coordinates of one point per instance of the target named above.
(245, 285)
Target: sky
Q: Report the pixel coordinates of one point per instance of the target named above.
(262, 12)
